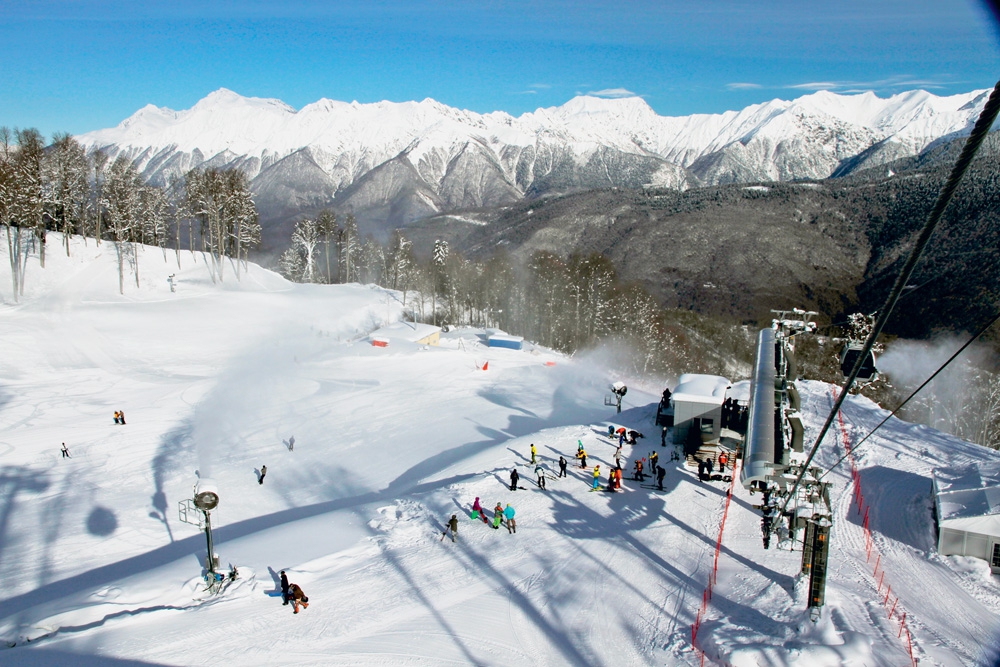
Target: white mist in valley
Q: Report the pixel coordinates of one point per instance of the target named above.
(963, 399)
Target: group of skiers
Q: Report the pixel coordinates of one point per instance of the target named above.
(119, 417)
(501, 515)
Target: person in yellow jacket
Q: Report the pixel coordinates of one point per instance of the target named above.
(582, 455)
(597, 476)
(534, 454)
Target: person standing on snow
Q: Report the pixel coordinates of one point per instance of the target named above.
(582, 455)
(540, 473)
(534, 454)
(660, 472)
(452, 526)
(597, 476)
(562, 467)
(509, 515)
(65, 452)
(478, 513)
(263, 471)
(513, 479)
(284, 588)
(618, 457)
(497, 515)
(653, 460)
(121, 416)
(291, 443)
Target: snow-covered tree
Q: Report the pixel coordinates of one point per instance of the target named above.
(348, 247)
(66, 191)
(305, 239)
(328, 228)
(123, 206)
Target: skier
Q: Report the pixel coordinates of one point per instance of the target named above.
(582, 455)
(284, 588)
(639, 477)
(452, 526)
(291, 443)
(723, 460)
(65, 452)
(660, 472)
(610, 488)
(621, 437)
(562, 467)
(513, 479)
(121, 416)
(263, 471)
(534, 454)
(509, 514)
(654, 459)
(540, 473)
(497, 515)
(478, 513)
(298, 597)
(618, 456)
(117, 420)
(597, 476)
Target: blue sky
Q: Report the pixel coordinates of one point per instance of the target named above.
(75, 66)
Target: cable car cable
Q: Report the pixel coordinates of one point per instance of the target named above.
(972, 144)
(926, 382)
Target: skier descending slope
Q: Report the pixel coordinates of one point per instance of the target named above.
(509, 514)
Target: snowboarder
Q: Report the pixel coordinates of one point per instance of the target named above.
(284, 588)
(597, 476)
(291, 443)
(263, 471)
(540, 473)
(582, 455)
(513, 479)
(509, 515)
(298, 597)
(534, 454)
(562, 467)
(452, 526)
(478, 513)
(660, 472)
(497, 515)
(65, 452)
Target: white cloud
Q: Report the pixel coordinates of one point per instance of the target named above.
(526, 92)
(612, 92)
(540, 86)
(895, 82)
(743, 86)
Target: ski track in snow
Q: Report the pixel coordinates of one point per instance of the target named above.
(389, 444)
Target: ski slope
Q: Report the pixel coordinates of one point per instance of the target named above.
(214, 380)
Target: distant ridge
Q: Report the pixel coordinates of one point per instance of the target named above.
(395, 162)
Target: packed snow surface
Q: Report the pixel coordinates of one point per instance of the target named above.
(215, 381)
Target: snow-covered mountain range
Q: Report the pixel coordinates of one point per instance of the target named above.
(396, 162)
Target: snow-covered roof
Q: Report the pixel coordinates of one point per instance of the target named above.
(411, 331)
(694, 388)
(507, 337)
(969, 498)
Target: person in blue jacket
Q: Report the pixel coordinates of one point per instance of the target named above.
(508, 513)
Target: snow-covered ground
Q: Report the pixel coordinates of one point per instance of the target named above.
(214, 381)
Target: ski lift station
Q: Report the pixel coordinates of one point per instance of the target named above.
(968, 513)
(697, 404)
(413, 332)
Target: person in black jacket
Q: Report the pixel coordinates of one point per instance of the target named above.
(284, 587)
(513, 479)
